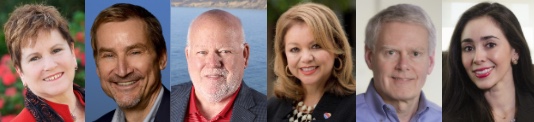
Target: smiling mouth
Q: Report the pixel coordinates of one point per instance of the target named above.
(309, 70)
(483, 72)
(126, 83)
(54, 77)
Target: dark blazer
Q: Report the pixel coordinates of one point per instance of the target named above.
(249, 105)
(161, 116)
(342, 109)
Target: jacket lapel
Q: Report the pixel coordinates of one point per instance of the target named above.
(241, 112)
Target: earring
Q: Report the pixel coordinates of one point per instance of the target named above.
(514, 61)
(76, 68)
(340, 64)
(288, 73)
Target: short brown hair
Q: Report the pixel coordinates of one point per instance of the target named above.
(329, 34)
(123, 11)
(26, 22)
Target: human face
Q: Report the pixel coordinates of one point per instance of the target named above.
(216, 60)
(400, 61)
(47, 67)
(486, 53)
(306, 59)
(126, 61)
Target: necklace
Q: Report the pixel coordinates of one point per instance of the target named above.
(302, 113)
(72, 112)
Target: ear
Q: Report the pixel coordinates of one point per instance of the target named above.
(368, 57)
(186, 51)
(73, 54)
(246, 53)
(515, 55)
(163, 61)
(21, 75)
(431, 65)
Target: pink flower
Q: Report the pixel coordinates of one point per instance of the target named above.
(8, 79)
(80, 36)
(11, 91)
(1, 103)
(6, 59)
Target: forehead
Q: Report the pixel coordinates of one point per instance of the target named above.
(403, 34)
(481, 26)
(299, 34)
(214, 34)
(114, 34)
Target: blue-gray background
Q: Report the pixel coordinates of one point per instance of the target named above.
(97, 102)
(255, 26)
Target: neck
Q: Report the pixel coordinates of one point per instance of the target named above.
(405, 108)
(210, 109)
(314, 92)
(141, 110)
(501, 99)
(68, 98)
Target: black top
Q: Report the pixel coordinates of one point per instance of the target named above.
(341, 109)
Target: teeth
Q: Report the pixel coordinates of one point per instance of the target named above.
(483, 71)
(53, 77)
(308, 69)
(126, 83)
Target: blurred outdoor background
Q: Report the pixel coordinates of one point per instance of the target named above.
(11, 88)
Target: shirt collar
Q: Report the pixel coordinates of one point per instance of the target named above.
(380, 108)
(119, 116)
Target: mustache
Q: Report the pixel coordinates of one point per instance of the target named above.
(130, 77)
(215, 71)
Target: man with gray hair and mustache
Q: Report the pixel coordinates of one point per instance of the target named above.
(217, 56)
(399, 49)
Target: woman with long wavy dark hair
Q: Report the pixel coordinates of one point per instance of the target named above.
(491, 73)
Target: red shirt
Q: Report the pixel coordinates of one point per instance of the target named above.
(61, 109)
(194, 115)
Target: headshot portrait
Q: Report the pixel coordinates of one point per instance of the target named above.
(42, 65)
(313, 63)
(218, 56)
(129, 61)
(489, 64)
(404, 72)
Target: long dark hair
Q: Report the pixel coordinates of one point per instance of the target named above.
(463, 100)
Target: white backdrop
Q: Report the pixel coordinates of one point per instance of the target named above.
(365, 9)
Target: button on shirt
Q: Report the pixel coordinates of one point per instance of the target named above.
(370, 107)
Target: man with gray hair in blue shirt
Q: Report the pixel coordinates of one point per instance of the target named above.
(400, 44)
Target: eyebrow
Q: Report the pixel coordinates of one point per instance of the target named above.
(137, 45)
(483, 38)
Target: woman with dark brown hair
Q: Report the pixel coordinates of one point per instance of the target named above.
(491, 75)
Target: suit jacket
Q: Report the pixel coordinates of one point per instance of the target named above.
(342, 109)
(249, 105)
(161, 116)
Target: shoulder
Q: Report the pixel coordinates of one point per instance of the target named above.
(106, 117)
(434, 112)
(24, 116)
(252, 93)
(181, 86)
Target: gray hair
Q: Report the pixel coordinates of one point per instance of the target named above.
(221, 17)
(405, 13)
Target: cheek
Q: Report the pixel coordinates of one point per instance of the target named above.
(467, 59)
(292, 60)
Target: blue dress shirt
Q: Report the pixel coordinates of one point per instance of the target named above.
(370, 107)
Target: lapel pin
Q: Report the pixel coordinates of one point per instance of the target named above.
(327, 115)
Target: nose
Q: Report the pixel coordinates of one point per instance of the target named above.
(49, 63)
(123, 67)
(403, 63)
(307, 56)
(214, 60)
(480, 57)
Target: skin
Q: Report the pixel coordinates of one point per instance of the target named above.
(307, 61)
(125, 56)
(216, 60)
(53, 57)
(400, 64)
(485, 47)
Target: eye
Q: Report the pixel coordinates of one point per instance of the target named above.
(136, 52)
(202, 52)
(391, 52)
(491, 45)
(225, 51)
(416, 54)
(468, 48)
(316, 46)
(294, 50)
(56, 50)
(107, 55)
(35, 58)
